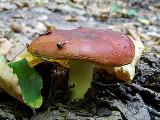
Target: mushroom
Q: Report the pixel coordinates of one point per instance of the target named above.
(84, 47)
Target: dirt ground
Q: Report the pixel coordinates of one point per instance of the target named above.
(23, 20)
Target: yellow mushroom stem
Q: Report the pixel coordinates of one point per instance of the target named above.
(80, 74)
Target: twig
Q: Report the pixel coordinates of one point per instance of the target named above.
(153, 111)
(142, 89)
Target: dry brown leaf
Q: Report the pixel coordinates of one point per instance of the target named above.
(102, 17)
(9, 81)
(16, 27)
(70, 18)
(77, 1)
(22, 4)
(5, 46)
(15, 51)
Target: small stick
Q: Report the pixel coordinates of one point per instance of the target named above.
(153, 111)
(139, 88)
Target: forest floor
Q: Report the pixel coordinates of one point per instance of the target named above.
(23, 20)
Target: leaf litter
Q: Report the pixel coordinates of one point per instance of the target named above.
(107, 93)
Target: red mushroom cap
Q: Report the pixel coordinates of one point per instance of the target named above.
(102, 47)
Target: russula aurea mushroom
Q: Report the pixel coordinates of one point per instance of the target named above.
(84, 47)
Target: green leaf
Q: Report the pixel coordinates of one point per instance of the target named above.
(115, 8)
(144, 21)
(132, 12)
(30, 83)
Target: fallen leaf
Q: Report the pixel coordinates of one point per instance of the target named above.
(70, 18)
(9, 81)
(132, 12)
(40, 2)
(21, 4)
(30, 83)
(77, 1)
(21, 81)
(102, 17)
(16, 27)
(144, 21)
(15, 50)
(41, 27)
(7, 6)
(5, 46)
(115, 8)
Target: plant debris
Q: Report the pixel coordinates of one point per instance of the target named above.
(108, 98)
